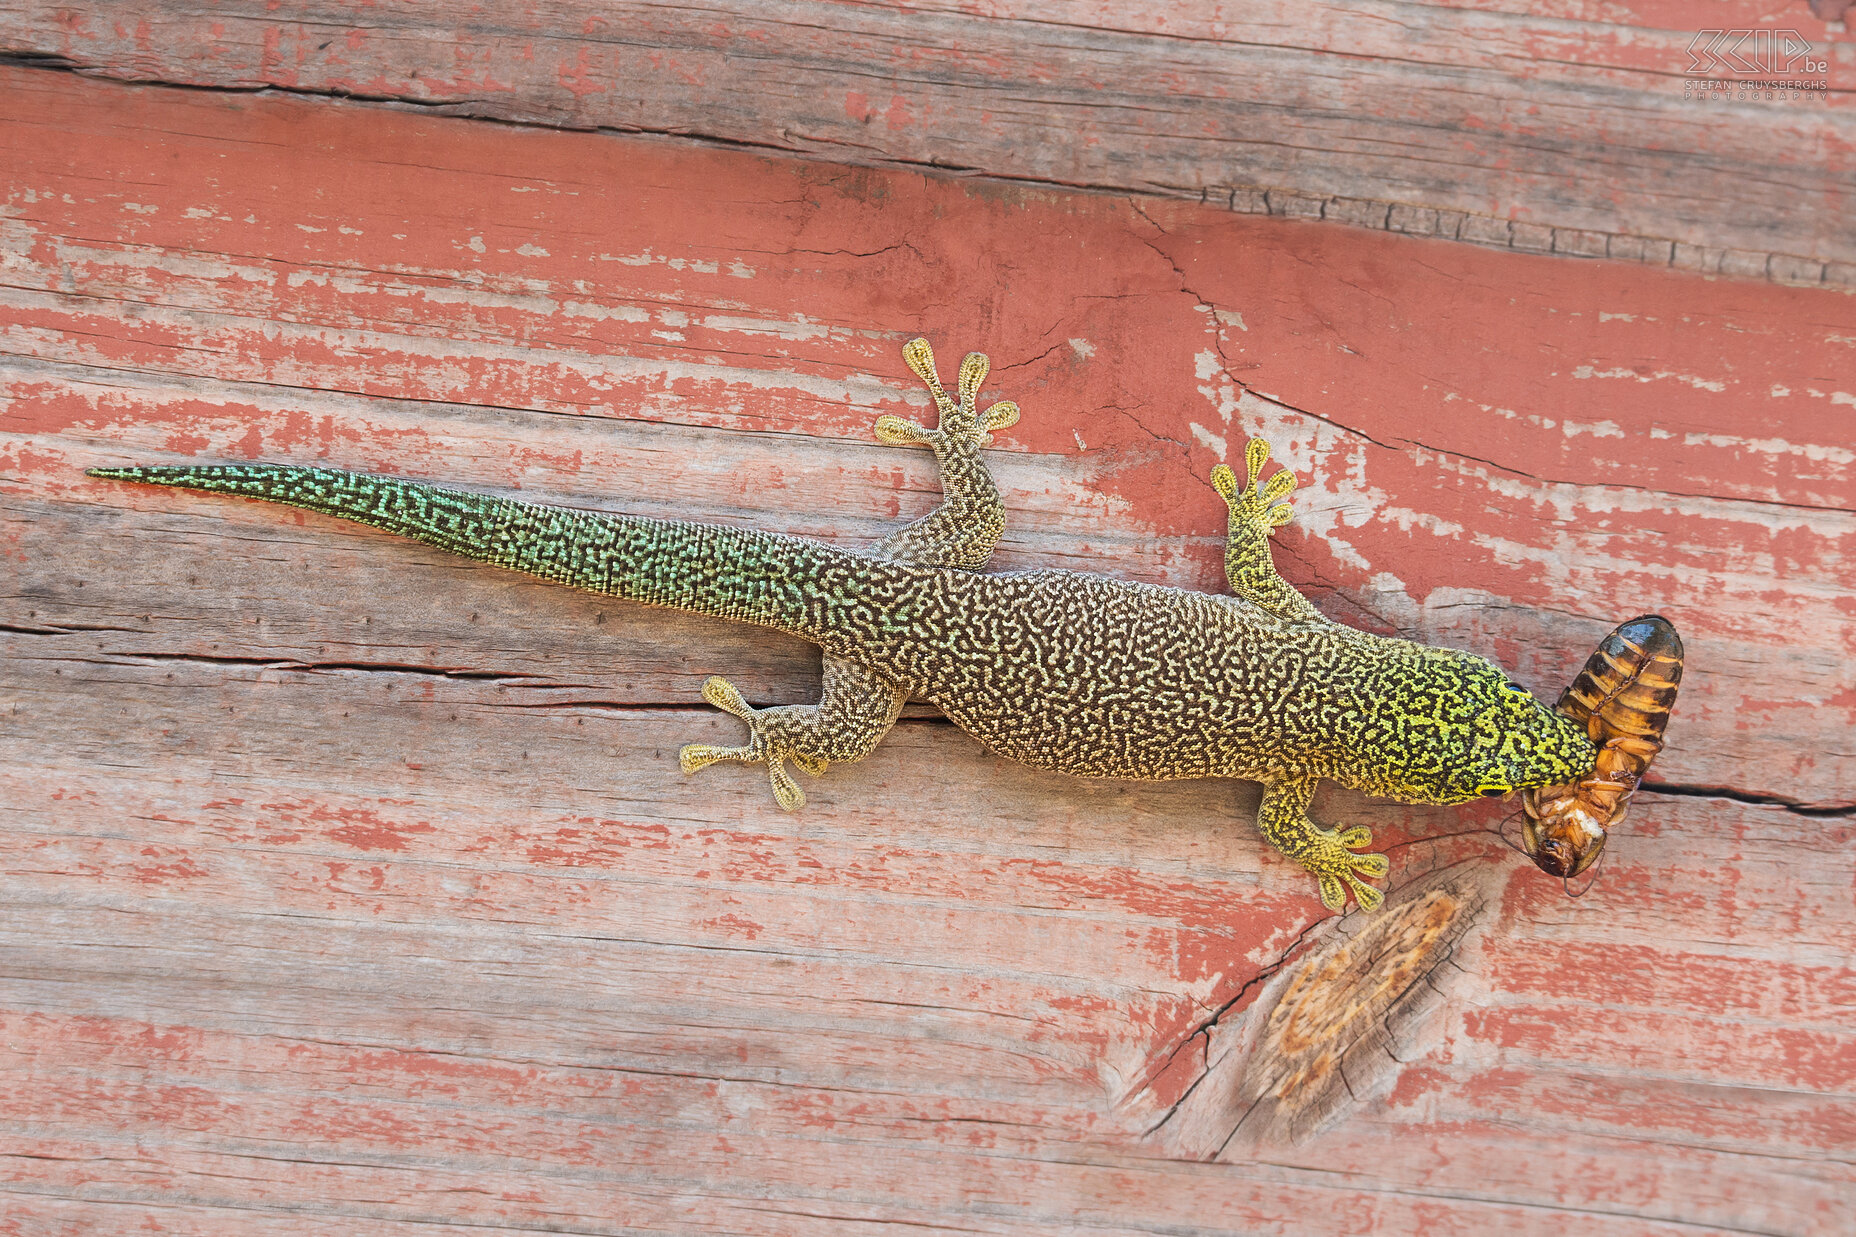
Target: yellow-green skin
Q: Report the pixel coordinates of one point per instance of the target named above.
(1063, 670)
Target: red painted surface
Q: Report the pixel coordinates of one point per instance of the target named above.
(1578, 121)
(299, 945)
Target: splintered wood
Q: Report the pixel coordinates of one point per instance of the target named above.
(350, 887)
(1331, 1031)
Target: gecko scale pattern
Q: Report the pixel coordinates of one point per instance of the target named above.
(1063, 670)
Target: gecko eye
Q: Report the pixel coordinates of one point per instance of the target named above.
(1515, 689)
(1491, 792)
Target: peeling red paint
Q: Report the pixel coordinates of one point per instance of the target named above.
(970, 977)
(735, 925)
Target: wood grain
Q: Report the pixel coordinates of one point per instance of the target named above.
(1574, 127)
(348, 886)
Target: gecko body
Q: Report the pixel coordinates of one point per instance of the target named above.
(1069, 671)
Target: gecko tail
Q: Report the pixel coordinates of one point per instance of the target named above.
(737, 573)
(455, 520)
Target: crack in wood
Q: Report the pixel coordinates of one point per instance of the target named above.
(1305, 202)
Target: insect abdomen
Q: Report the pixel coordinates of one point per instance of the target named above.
(1629, 683)
(1622, 697)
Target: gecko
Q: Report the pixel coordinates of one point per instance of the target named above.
(1069, 671)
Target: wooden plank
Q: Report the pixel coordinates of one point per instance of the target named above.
(1573, 127)
(351, 885)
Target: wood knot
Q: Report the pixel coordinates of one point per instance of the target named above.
(1337, 991)
(1331, 1030)
(1339, 1025)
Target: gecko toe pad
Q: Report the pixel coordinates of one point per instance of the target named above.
(1339, 867)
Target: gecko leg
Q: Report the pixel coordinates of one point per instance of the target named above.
(1257, 510)
(858, 707)
(1331, 856)
(965, 528)
(854, 713)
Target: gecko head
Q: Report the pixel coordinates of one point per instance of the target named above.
(1467, 730)
(1517, 743)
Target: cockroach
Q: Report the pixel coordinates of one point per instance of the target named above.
(1622, 697)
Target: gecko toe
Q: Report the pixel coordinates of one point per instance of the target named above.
(900, 433)
(785, 790)
(719, 692)
(694, 756)
(1369, 898)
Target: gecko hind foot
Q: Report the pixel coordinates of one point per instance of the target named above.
(1337, 864)
(960, 424)
(1266, 506)
(1257, 509)
(693, 756)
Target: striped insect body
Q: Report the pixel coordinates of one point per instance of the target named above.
(1623, 698)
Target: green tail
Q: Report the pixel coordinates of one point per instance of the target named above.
(735, 573)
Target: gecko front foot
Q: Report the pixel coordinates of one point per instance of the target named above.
(1334, 860)
(1328, 854)
(1264, 508)
(722, 694)
(960, 425)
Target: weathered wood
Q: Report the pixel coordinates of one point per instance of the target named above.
(1578, 129)
(348, 885)
(1332, 1031)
